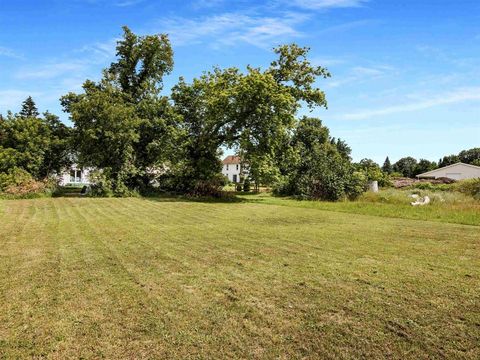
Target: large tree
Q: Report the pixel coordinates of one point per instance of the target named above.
(406, 166)
(424, 166)
(122, 124)
(470, 156)
(38, 145)
(321, 169)
(253, 112)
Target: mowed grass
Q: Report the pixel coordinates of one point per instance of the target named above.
(145, 278)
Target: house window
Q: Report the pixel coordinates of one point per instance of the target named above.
(237, 166)
(227, 167)
(75, 176)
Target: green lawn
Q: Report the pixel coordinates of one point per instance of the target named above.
(161, 278)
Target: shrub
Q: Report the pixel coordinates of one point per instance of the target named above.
(238, 187)
(18, 183)
(246, 185)
(356, 185)
(469, 187)
(101, 184)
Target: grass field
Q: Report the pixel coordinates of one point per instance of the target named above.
(164, 278)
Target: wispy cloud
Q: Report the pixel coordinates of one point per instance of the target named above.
(119, 3)
(7, 52)
(124, 3)
(11, 99)
(360, 74)
(50, 70)
(234, 28)
(453, 97)
(327, 4)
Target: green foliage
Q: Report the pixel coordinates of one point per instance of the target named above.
(19, 184)
(424, 165)
(253, 112)
(246, 185)
(387, 166)
(29, 108)
(320, 171)
(101, 184)
(39, 145)
(238, 187)
(122, 124)
(471, 156)
(406, 166)
(372, 172)
(469, 187)
(448, 160)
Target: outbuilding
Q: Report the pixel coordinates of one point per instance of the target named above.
(458, 171)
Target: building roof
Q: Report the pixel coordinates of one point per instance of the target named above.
(231, 159)
(431, 172)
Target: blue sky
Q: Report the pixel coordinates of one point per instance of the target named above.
(406, 74)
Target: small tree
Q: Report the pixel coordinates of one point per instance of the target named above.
(387, 166)
(29, 108)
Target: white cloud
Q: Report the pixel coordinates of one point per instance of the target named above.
(11, 99)
(326, 4)
(453, 97)
(125, 3)
(7, 52)
(51, 70)
(360, 74)
(234, 28)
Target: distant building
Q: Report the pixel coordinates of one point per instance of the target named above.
(75, 176)
(232, 168)
(459, 171)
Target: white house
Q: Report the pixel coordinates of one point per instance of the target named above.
(75, 176)
(232, 168)
(459, 171)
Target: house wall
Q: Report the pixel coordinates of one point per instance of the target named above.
(65, 178)
(457, 172)
(232, 169)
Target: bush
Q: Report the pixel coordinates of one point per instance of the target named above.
(469, 187)
(356, 185)
(238, 187)
(210, 188)
(101, 184)
(246, 185)
(18, 183)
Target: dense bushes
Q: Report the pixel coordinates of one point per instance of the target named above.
(18, 183)
(468, 187)
(320, 170)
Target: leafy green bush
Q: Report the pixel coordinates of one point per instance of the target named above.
(430, 186)
(356, 185)
(469, 187)
(238, 187)
(101, 184)
(246, 185)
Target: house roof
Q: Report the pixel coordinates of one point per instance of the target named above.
(231, 159)
(447, 167)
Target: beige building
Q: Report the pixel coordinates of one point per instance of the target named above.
(459, 171)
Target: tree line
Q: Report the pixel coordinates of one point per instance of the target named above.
(410, 167)
(141, 140)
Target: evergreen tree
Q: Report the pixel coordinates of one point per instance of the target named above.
(29, 108)
(387, 166)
